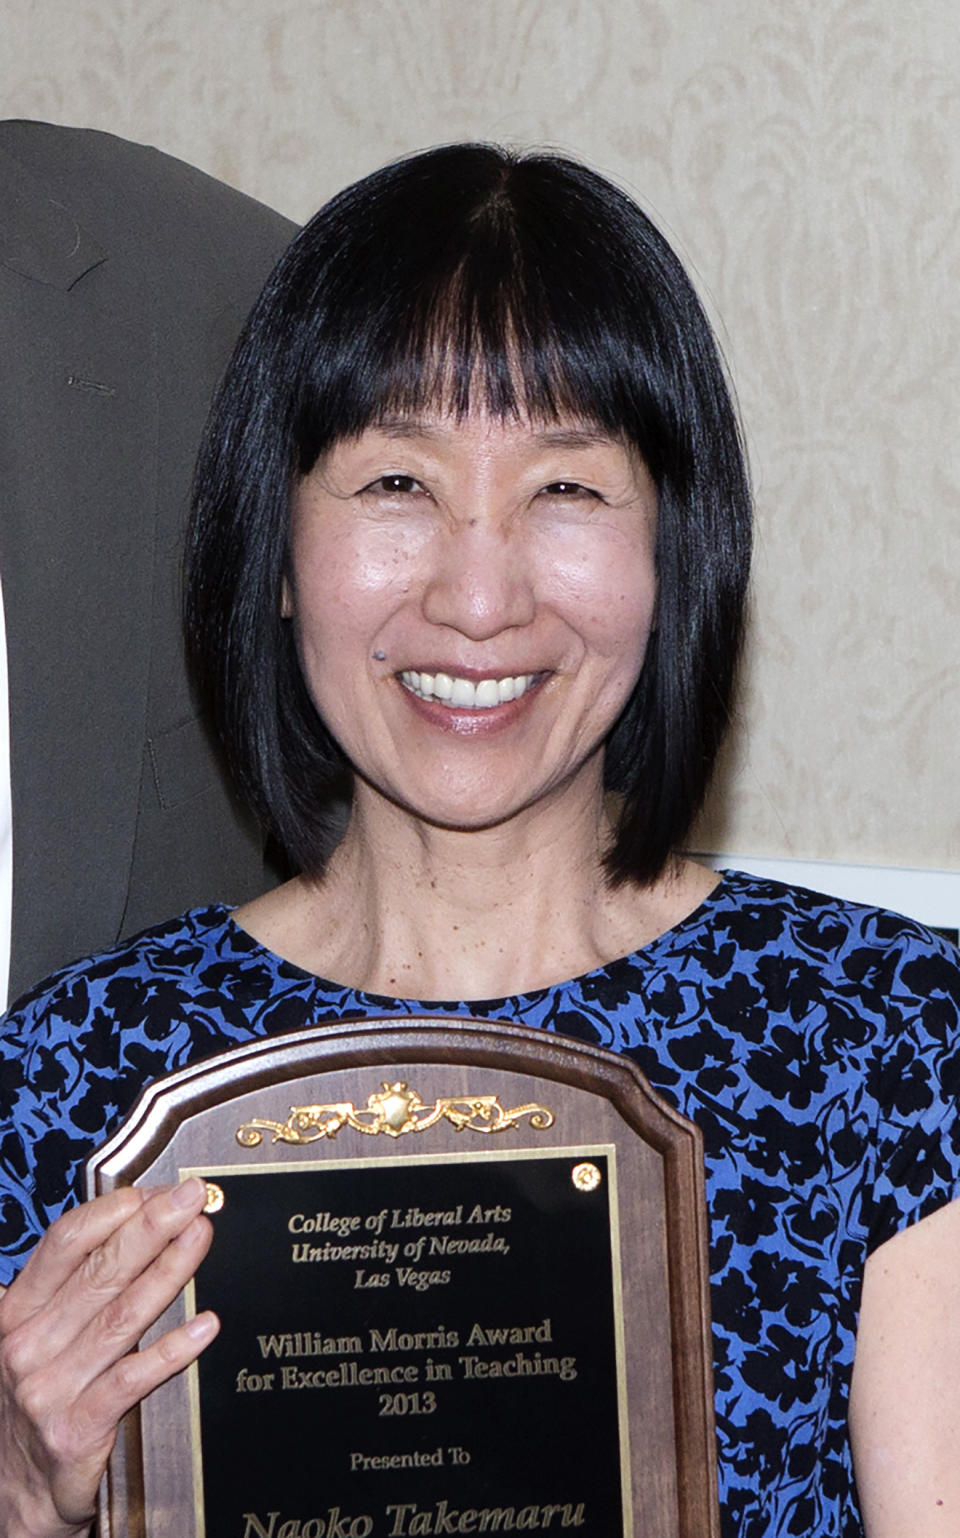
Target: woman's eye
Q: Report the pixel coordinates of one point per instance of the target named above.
(394, 485)
(567, 489)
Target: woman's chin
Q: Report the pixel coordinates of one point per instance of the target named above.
(451, 814)
(472, 805)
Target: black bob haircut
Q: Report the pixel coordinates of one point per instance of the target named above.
(472, 275)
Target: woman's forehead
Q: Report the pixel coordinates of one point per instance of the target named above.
(564, 430)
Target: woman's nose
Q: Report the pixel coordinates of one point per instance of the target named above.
(479, 584)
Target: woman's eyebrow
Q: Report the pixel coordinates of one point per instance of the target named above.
(573, 437)
(583, 437)
(405, 427)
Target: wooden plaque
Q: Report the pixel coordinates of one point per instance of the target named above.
(461, 1271)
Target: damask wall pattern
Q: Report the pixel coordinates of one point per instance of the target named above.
(804, 155)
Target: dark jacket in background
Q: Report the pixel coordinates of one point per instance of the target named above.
(124, 278)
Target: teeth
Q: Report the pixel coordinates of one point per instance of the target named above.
(463, 693)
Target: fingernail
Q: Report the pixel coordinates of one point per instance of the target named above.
(203, 1325)
(187, 1193)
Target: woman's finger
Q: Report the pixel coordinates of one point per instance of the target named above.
(99, 1277)
(116, 1328)
(63, 1248)
(74, 1443)
(128, 1381)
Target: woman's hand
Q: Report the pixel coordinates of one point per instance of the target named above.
(69, 1368)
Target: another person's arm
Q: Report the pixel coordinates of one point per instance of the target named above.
(69, 1367)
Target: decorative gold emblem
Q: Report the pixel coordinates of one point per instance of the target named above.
(215, 1197)
(394, 1109)
(586, 1177)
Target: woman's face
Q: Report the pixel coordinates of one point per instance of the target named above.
(473, 600)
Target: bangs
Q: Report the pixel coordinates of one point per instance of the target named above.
(475, 300)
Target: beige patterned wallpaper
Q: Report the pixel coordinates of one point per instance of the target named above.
(805, 157)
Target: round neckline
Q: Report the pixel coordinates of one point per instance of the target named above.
(644, 955)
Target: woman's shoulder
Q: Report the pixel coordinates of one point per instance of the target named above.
(198, 972)
(76, 1051)
(179, 948)
(757, 910)
(781, 934)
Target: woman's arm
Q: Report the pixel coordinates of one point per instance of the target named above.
(905, 1398)
(69, 1368)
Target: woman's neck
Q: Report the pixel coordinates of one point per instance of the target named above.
(418, 912)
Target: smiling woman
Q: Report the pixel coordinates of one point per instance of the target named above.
(471, 532)
(466, 283)
(495, 590)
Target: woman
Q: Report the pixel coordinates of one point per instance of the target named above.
(472, 524)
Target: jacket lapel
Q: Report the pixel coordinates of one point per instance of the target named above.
(39, 236)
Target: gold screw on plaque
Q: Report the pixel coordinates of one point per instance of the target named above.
(215, 1197)
(586, 1177)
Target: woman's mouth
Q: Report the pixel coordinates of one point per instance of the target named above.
(465, 693)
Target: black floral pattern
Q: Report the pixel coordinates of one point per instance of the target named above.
(816, 1043)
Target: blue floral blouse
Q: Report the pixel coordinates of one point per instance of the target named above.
(815, 1042)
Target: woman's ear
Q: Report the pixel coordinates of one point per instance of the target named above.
(286, 601)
